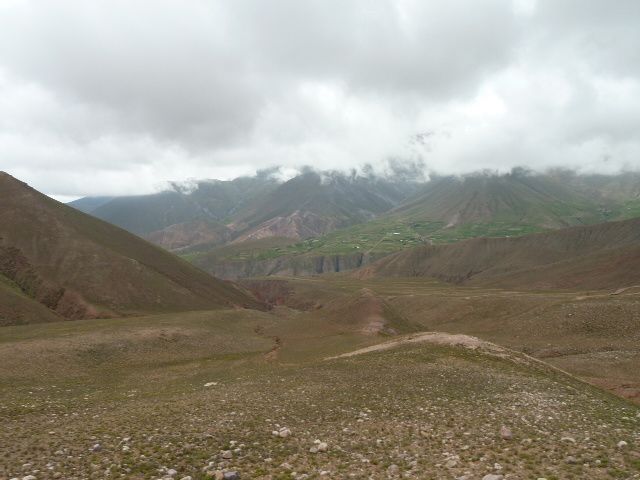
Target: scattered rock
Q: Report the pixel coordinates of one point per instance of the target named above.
(96, 448)
(227, 454)
(622, 444)
(211, 384)
(493, 476)
(571, 460)
(506, 433)
(568, 439)
(284, 432)
(231, 476)
(393, 469)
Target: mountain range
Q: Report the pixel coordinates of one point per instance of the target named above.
(330, 221)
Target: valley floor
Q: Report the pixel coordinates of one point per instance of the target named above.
(273, 395)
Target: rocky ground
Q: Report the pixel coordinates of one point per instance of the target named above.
(419, 410)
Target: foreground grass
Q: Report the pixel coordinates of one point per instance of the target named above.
(138, 391)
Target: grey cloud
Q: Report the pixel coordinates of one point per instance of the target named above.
(135, 93)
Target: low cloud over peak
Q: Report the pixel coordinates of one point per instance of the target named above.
(117, 97)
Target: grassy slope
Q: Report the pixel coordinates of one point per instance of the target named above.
(597, 256)
(594, 335)
(102, 265)
(144, 379)
(16, 308)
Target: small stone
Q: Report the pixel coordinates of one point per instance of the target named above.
(622, 444)
(493, 476)
(227, 454)
(29, 477)
(393, 469)
(284, 432)
(571, 460)
(231, 476)
(323, 447)
(126, 448)
(568, 439)
(506, 433)
(172, 472)
(451, 463)
(96, 448)
(188, 477)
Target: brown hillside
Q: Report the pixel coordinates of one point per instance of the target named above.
(82, 267)
(599, 256)
(16, 308)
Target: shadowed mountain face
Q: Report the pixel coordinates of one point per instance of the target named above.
(81, 267)
(214, 201)
(251, 208)
(603, 256)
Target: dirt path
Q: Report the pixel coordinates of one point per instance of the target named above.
(436, 338)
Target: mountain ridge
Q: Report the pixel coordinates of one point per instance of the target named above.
(82, 267)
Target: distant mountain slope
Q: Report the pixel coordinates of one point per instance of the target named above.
(251, 208)
(190, 234)
(208, 200)
(516, 198)
(89, 204)
(602, 256)
(313, 204)
(82, 267)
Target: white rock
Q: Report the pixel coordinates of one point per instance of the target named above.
(622, 444)
(506, 433)
(211, 384)
(227, 454)
(172, 472)
(323, 447)
(284, 432)
(493, 476)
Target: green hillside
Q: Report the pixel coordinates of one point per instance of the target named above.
(451, 209)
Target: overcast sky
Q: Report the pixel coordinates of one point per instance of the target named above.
(117, 96)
